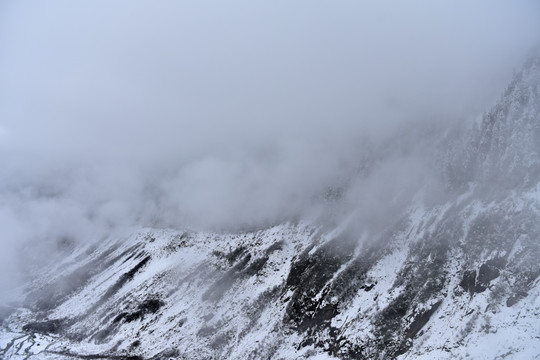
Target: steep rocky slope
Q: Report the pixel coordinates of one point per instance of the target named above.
(455, 279)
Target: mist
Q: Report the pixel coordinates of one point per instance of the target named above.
(226, 116)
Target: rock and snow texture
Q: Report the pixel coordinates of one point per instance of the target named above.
(456, 280)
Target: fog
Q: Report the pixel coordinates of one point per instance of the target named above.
(232, 115)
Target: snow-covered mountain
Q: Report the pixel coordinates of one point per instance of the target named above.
(454, 279)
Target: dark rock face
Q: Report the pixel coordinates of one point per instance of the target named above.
(486, 274)
(468, 283)
(488, 271)
(150, 306)
(45, 327)
(307, 277)
(421, 320)
(514, 299)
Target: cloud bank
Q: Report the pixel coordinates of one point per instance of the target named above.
(230, 115)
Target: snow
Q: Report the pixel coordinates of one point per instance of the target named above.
(464, 326)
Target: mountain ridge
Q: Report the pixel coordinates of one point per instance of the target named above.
(455, 279)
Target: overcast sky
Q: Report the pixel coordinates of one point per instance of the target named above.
(215, 114)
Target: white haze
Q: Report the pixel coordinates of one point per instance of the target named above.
(227, 115)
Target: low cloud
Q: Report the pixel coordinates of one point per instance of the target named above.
(225, 116)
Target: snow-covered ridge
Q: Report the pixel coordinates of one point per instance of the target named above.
(291, 292)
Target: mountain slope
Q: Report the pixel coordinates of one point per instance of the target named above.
(458, 279)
